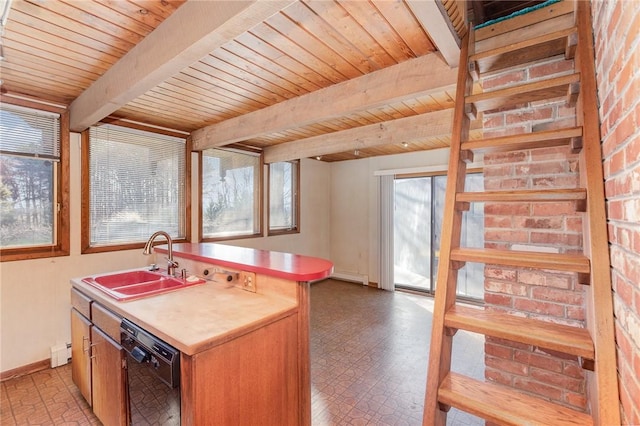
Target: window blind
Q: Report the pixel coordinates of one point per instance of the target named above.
(28, 132)
(29, 157)
(137, 185)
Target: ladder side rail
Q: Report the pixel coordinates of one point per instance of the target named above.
(603, 389)
(447, 277)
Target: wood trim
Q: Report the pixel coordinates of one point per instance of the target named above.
(296, 207)
(85, 238)
(64, 191)
(261, 197)
(188, 148)
(304, 352)
(144, 126)
(200, 237)
(603, 384)
(30, 102)
(260, 232)
(25, 369)
(62, 231)
(187, 390)
(407, 80)
(203, 26)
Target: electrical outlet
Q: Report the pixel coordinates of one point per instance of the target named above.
(248, 281)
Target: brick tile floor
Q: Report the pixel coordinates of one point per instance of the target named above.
(369, 350)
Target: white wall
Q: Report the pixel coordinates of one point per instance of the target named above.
(34, 294)
(354, 207)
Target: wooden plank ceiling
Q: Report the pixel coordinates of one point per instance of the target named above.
(319, 78)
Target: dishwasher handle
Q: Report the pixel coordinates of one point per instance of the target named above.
(140, 355)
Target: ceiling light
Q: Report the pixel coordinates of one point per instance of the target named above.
(405, 144)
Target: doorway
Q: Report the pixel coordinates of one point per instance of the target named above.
(417, 226)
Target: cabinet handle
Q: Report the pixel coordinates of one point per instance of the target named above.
(85, 348)
(91, 354)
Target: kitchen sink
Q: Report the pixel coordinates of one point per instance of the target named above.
(137, 284)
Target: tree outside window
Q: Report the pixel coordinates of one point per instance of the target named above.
(231, 182)
(283, 197)
(136, 186)
(30, 183)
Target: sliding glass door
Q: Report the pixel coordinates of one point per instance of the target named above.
(412, 233)
(418, 214)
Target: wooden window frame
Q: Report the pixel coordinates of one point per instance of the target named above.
(296, 202)
(260, 201)
(86, 246)
(62, 237)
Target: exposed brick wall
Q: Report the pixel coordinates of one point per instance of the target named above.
(557, 227)
(617, 45)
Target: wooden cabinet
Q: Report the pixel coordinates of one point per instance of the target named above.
(258, 374)
(80, 358)
(108, 379)
(252, 370)
(251, 380)
(98, 359)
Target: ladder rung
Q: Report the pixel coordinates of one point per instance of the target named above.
(562, 338)
(505, 406)
(521, 52)
(546, 139)
(540, 196)
(556, 261)
(530, 92)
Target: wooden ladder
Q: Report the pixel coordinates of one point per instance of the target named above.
(593, 345)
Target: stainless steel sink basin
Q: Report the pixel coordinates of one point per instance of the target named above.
(137, 284)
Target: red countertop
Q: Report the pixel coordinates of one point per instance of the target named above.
(273, 263)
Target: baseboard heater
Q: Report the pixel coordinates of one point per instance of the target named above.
(356, 278)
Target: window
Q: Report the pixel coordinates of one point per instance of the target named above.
(34, 166)
(284, 200)
(136, 183)
(231, 195)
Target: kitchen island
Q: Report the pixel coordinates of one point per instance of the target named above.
(244, 343)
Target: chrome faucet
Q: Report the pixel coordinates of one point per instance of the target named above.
(172, 265)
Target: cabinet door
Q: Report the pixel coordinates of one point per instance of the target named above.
(109, 380)
(80, 359)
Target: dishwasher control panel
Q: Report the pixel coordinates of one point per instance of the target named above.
(146, 349)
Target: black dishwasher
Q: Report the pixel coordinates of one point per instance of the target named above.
(153, 377)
